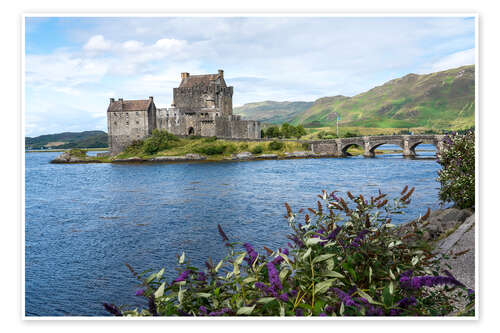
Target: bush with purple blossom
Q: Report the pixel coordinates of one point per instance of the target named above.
(345, 259)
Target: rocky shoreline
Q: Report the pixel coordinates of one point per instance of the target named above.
(451, 233)
(243, 156)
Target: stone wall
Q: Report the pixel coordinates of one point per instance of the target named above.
(125, 127)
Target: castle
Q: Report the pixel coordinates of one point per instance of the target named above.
(202, 106)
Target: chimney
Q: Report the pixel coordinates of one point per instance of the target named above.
(111, 100)
(221, 73)
(184, 75)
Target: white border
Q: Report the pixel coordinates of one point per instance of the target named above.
(269, 14)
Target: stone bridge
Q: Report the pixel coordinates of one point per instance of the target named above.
(338, 147)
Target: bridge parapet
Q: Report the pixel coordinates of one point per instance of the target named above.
(408, 143)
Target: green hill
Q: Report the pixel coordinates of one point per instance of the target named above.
(441, 100)
(272, 112)
(87, 139)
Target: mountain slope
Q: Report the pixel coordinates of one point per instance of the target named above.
(272, 112)
(86, 139)
(441, 100)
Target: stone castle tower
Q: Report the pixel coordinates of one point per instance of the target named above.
(202, 106)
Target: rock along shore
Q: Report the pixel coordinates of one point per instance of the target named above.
(243, 156)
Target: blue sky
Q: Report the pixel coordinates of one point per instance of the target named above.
(75, 64)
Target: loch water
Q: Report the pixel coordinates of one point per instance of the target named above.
(84, 221)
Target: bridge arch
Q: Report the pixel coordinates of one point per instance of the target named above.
(349, 145)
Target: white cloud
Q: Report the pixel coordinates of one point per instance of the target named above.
(97, 43)
(263, 58)
(457, 59)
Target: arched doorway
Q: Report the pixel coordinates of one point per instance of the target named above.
(191, 131)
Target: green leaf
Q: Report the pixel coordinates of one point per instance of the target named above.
(180, 295)
(312, 241)
(265, 300)
(342, 308)
(205, 295)
(308, 252)
(160, 274)
(240, 258)
(370, 273)
(333, 274)
(219, 265)
(387, 297)
(414, 260)
(249, 280)
(151, 278)
(160, 291)
(368, 297)
(182, 257)
(322, 257)
(285, 257)
(330, 264)
(323, 286)
(284, 273)
(245, 310)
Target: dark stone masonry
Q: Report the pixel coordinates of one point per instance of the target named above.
(202, 106)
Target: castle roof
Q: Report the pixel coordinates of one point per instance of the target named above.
(199, 81)
(129, 105)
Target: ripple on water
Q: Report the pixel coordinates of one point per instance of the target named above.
(78, 237)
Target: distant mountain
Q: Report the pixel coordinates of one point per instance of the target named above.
(272, 112)
(87, 139)
(441, 100)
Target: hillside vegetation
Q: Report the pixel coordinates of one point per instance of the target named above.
(272, 112)
(86, 139)
(437, 101)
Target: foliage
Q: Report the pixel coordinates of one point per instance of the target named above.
(257, 149)
(276, 145)
(327, 135)
(78, 152)
(347, 259)
(86, 139)
(351, 135)
(272, 132)
(211, 149)
(210, 139)
(457, 176)
(158, 141)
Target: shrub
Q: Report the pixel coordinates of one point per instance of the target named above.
(211, 149)
(272, 132)
(276, 145)
(257, 149)
(78, 152)
(351, 135)
(244, 146)
(210, 139)
(231, 148)
(457, 176)
(158, 141)
(359, 268)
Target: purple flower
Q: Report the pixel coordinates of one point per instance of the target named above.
(329, 309)
(279, 258)
(201, 276)
(293, 292)
(406, 302)
(273, 275)
(139, 292)
(299, 312)
(220, 312)
(252, 254)
(284, 297)
(418, 282)
(470, 292)
(203, 310)
(322, 314)
(374, 311)
(394, 312)
(183, 276)
(359, 238)
(345, 298)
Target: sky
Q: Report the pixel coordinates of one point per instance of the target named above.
(73, 65)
